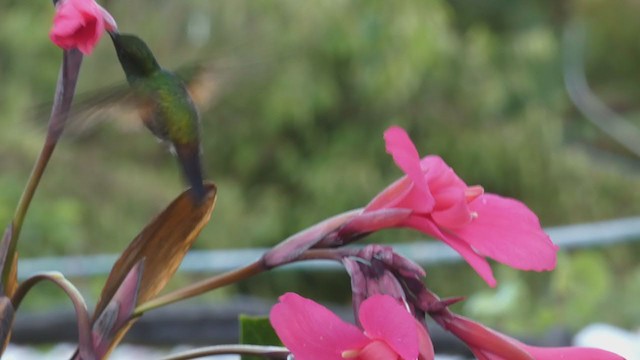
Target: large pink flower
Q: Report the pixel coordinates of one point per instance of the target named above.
(80, 24)
(487, 344)
(474, 224)
(311, 331)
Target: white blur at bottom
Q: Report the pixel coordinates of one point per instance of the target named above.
(607, 337)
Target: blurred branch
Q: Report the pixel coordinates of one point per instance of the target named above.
(591, 107)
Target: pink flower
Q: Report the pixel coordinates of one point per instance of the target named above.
(80, 24)
(487, 344)
(474, 224)
(311, 331)
(431, 198)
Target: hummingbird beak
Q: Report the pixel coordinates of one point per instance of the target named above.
(114, 34)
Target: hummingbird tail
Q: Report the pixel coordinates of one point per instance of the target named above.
(189, 159)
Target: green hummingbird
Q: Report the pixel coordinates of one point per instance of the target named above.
(164, 104)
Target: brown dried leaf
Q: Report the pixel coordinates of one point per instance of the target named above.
(162, 244)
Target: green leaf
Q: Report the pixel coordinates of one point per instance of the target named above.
(257, 330)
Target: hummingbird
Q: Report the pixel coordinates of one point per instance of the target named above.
(164, 105)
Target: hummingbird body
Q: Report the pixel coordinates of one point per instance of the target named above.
(164, 104)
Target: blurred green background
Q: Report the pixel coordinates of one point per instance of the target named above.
(304, 90)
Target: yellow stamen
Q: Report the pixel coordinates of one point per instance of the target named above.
(472, 192)
(350, 354)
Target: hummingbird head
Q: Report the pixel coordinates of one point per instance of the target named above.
(136, 58)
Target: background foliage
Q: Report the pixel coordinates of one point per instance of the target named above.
(294, 134)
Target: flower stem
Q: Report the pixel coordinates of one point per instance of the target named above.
(29, 191)
(65, 88)
(270, 352)
(201, 287)
(233, 276)
(85, 343)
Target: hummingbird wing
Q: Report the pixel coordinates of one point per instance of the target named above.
(115, 103)
(119, 104)
(206, 82)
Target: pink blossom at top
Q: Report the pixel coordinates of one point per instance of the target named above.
(487, 344)
(80, 24)
(474, 224)
(311, 331)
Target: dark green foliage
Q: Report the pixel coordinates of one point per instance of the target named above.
(257, 330)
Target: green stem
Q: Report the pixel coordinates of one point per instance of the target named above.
(201, 287)
(230, 277)
(65, 88)
(270, 352)
(29, 191)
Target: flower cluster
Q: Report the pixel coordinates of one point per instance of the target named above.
(311, 331)
(389, 332)
(474, 224)
(389, 296)
(432, 199)
(390, 299)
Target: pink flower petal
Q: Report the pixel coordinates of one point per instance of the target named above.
(477, 262)
(452, 209)
(86, 6)
(370, 221)
(485, 343)
(109, 21)
(65, 21)
(570, 353)
(488, 344)
(440, 175)
(384, 318)
(480, 355)
(80, 24)
(405, 155)
(425, 345)
(377, 350)
(391, 195)
(449, 191)
(414, 200)
(311, 331)
(507, 231)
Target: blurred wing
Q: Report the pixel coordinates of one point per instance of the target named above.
(207, 81)
(115, 103)
(203, 84)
